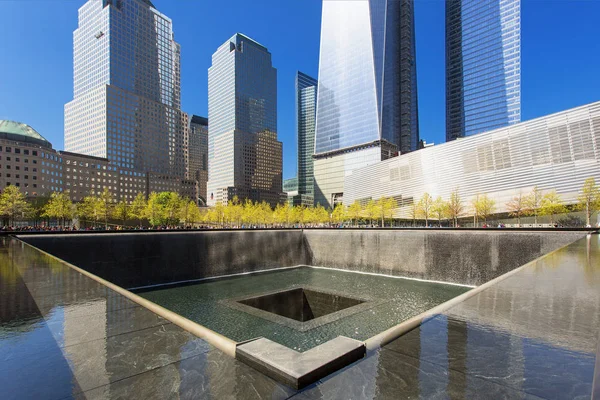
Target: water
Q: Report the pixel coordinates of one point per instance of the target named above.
(392, 300)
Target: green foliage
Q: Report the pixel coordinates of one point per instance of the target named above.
(386, 206)
(355, 211)
(551, 205)
(138, 207)
(59, 207)
(13, 204)
(589, 199)
(456, 206)
(532, 203)
(122, 211)
(439, 209)
(424, 207)
(371, 211)
(483, 207)
(163, 208)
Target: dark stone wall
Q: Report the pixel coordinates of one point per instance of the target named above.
(141, 259)
(465, 257)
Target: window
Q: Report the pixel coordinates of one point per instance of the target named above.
(18, 159)
(26, 152)
(7, 158)
(17, 151)
(34, 152)
(8, 149)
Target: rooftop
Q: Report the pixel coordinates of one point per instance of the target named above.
(21, 132)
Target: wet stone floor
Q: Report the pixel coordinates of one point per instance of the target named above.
(386, 302)
(534, 335)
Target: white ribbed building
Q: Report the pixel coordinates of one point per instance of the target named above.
(558, 151)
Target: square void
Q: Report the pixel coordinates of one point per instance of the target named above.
(301, 304)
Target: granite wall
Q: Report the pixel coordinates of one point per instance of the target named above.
(142, 259)
(466, 257)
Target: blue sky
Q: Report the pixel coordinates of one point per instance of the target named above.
(560, 63)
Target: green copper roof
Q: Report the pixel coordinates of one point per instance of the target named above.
(21, 132)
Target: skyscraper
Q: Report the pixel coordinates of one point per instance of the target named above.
(367, 96)
(306, 107)
(245, 157)
(197, 140)
(127, 95)
(483, 65)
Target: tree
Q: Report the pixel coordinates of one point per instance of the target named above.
(589, 199)
(194, 215)
(282, 214)
(439, 209)
(59, 207)
(338, 216)
(12, 203)
(372, 211)
(414, 212)
(154, 210)
(105, 205)
(483, 207)
(90, 209)
(189, 212)
(424, 207)
(386, 207)
(138, 207)
(532, 203)
(516, 207)
(38, 204)
(121, 211)
(551, 205)
(354, 212)
(455, 206)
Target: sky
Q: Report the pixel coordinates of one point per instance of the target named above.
(560, 57)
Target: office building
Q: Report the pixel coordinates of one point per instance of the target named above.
(127, 96)
(556, 152)
(483, 66)
(306, 108)
(367, 94)
(197, 163)
(244, 155)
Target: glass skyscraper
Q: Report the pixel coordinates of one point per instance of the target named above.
(127, 93)
(306, 107)
(245, 157)
(367, 95)
(483, 65)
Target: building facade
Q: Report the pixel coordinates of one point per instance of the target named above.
(483, 66)
(306, 114)
(197, 141)
(244, 155)
(127, 93)
(367, 94)
(28, 161)
(556, 152)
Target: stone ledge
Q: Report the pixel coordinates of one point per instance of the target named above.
(299, 369)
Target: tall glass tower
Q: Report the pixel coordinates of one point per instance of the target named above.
(127, 93)
(367, 96)
(244, 155)
(306, 107)
(483, 65)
